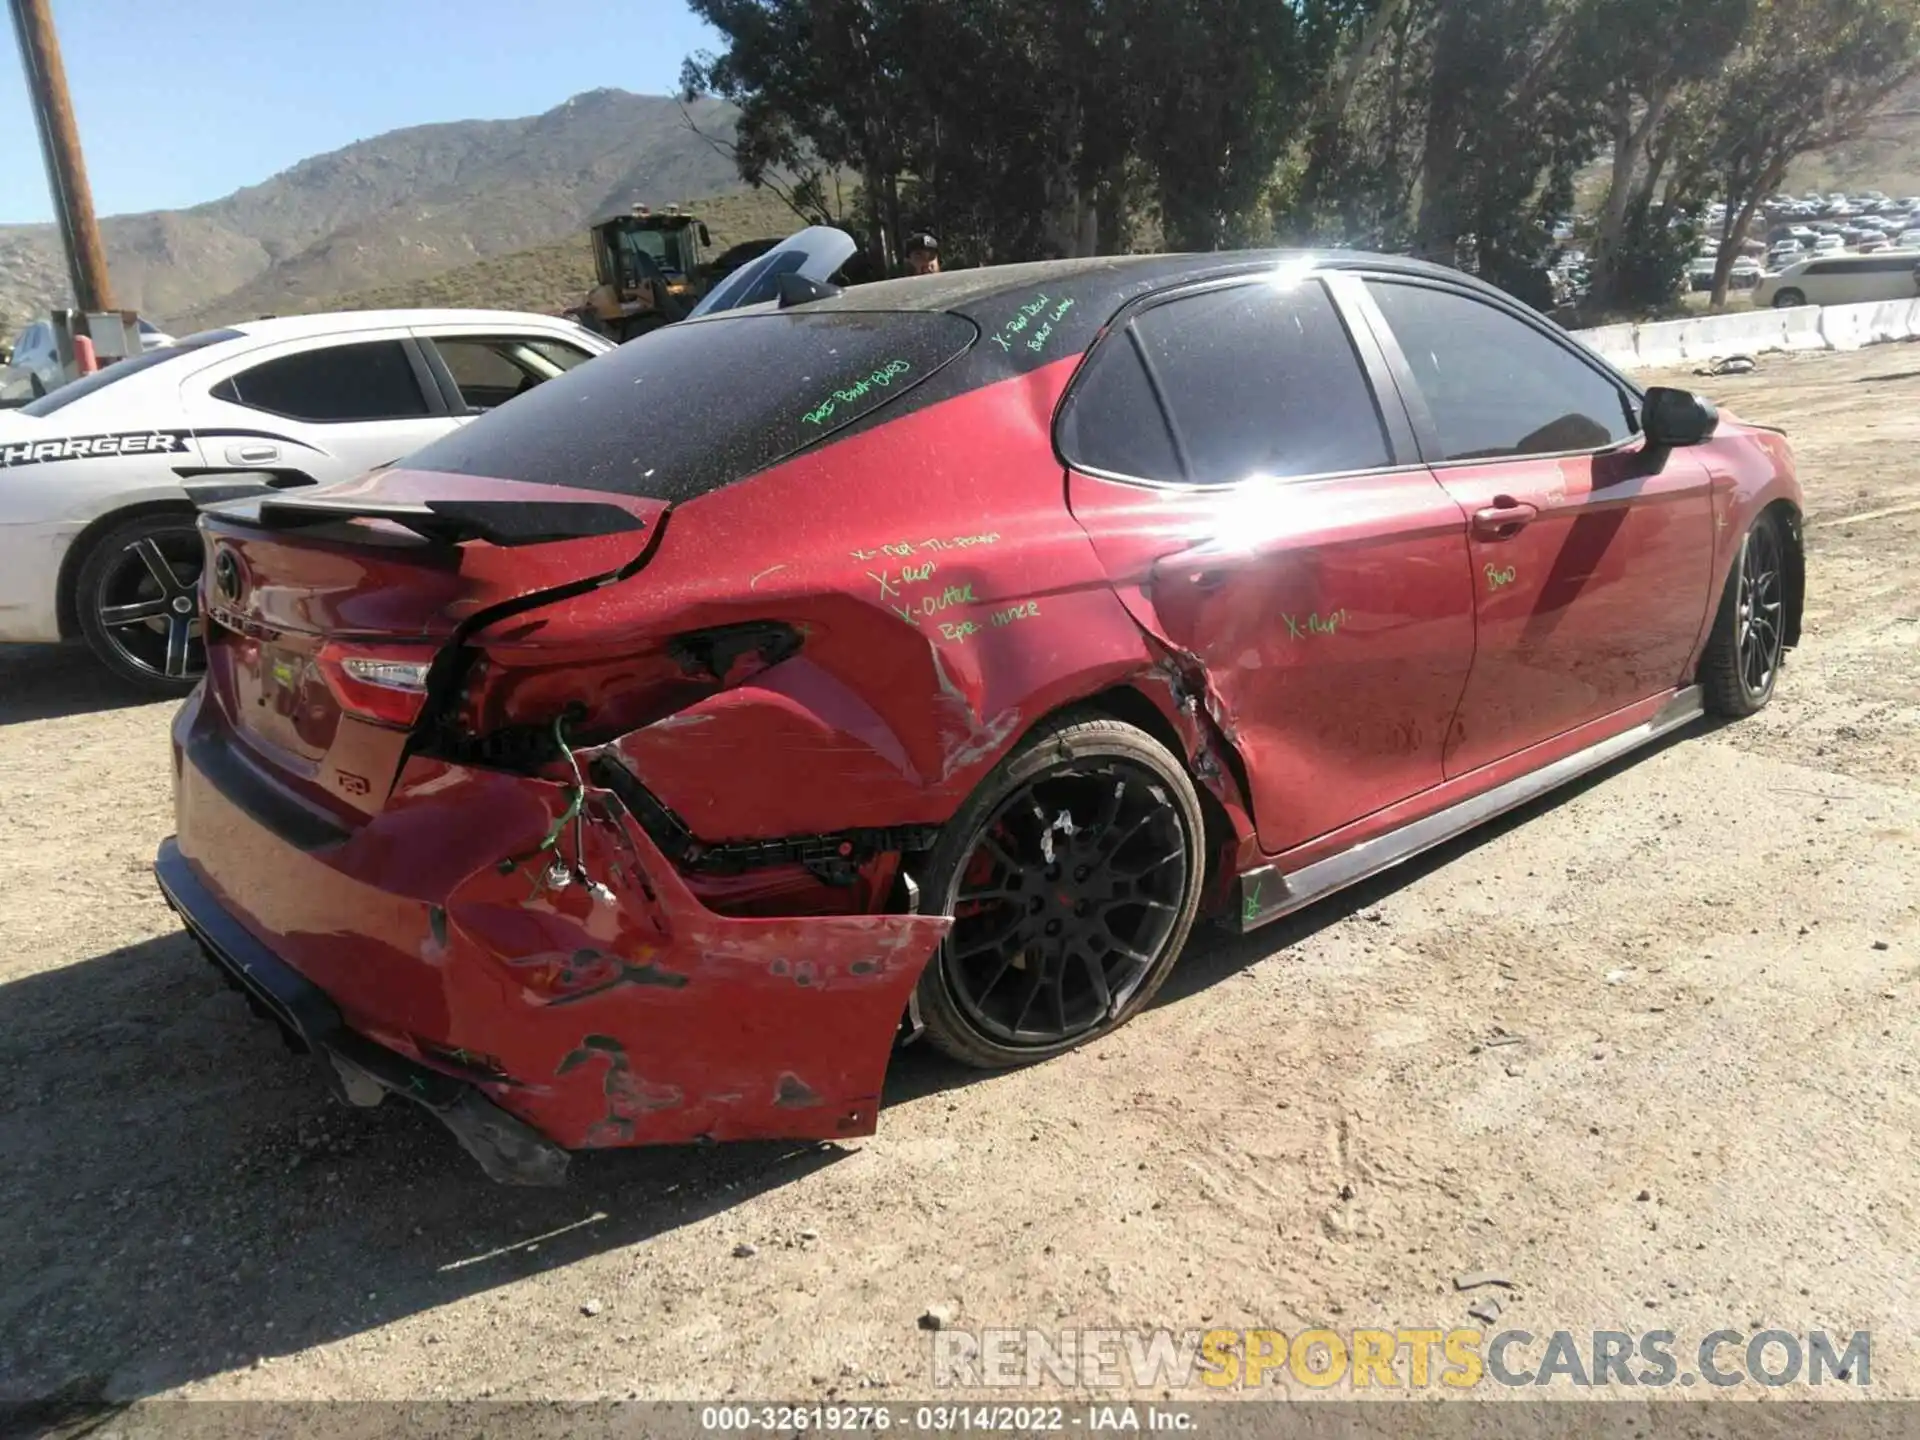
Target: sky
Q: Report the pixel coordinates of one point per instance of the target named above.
(182, 101)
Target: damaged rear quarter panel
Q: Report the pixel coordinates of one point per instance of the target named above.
(947, 600)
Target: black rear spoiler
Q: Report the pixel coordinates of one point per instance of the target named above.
(446, 522)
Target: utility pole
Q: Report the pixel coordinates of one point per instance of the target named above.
(60, 147)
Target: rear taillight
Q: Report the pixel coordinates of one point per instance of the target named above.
(386, 684)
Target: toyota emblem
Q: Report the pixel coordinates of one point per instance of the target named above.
(226, 576)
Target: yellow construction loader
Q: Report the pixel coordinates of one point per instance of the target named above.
(651, 269)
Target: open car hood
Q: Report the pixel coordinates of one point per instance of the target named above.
(814, 254)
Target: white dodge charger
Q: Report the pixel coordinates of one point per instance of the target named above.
(100, 479)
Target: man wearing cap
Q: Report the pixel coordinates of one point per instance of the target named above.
(923, 255)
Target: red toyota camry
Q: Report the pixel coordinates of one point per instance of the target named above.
(638, 763)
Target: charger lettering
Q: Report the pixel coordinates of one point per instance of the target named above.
(93, 447)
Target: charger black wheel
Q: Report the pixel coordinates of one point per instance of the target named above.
(137, 595)
(1741, 663)
(1072, 874)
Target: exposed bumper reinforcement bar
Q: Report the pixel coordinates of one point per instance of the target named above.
(363, 1073)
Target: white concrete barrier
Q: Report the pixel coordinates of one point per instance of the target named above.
(1659, 343)
(1803, 327)
(1892, 320)
(1612, 343)
(1745, 332)
(1754, 332)
(1847, 327)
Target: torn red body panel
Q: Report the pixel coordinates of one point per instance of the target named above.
(616, 1011)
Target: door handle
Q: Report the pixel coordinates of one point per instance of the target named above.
(254, 453)
(1505, 518)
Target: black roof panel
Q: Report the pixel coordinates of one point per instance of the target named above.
(1129, 275)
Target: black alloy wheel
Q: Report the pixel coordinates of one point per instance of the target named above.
(1758, 631)
(1072, 876)
(1741, 664)
(139, 602)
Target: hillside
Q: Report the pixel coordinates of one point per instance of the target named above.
(551, 277)
(1885, 157)
(401, 205)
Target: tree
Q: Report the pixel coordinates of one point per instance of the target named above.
(1638, 58)
(817, 83)
(1222, 88)
(1807, 75)
(1506, 130)
(1352, 178)
(1019, 129)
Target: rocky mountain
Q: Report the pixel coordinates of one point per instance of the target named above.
(398, 207)
(553, 276)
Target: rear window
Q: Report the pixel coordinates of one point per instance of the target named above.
(121, 369)
(695, 406)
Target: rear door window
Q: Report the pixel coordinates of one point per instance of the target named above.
(698, 405)
(1257, 380)
(1114, 424)
(372, 380)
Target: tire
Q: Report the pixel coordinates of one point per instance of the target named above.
(1788, 299)
(1095, 922)
(137, 596)
(1741, 664)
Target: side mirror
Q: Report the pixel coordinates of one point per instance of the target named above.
(1672, 418)
(706, 235)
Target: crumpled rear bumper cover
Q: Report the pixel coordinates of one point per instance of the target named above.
(423, 954)
(362, 1072)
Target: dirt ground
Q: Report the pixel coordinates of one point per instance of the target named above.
(1647, 1049)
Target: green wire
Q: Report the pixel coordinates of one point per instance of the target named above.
(575, 801)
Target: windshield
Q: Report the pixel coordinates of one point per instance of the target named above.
(121, 369)
(637, 248)
(699, 405)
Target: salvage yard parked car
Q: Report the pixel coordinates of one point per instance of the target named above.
(33, 367)
(1841, 280)
(927, 657)
(99, 478)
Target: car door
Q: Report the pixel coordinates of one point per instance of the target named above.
(1893, 277)
(1259, 510)
(1590, 558)
(480, 370)
(327, 407)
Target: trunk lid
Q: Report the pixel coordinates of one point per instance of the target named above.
(326, 608)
